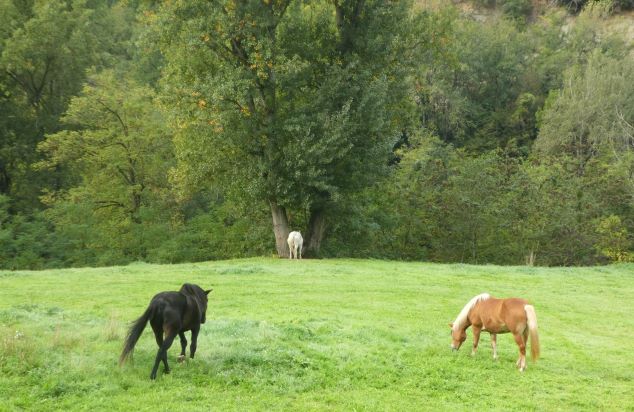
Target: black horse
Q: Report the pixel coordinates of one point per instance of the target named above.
(170, 313)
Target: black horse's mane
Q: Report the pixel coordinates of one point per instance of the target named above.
(194, 291)
(199, 295)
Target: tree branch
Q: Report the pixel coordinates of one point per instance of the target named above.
(102, 204)
(123, 125)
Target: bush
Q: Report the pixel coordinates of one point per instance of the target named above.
(613, 241)
(517, 9)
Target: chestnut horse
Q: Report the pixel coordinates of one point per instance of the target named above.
(485, 313)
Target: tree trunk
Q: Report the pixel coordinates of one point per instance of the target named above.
(280, 229)
(316, 231)
(530, 258)
(5, 180)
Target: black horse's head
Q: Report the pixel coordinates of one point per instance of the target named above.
(200, 297)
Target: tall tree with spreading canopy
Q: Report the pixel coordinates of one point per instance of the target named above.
(291, 103)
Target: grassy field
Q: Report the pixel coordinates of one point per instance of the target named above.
(316, 335)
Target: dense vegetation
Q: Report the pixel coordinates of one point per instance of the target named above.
(316, 335)
(186, 131)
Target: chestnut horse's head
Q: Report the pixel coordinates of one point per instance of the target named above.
(460, 325)
(458, 335)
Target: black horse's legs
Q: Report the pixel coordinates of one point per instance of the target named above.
(159, 357)
(167, 368)
(183, 346)
(158, 335)
(192, 347)
(183, 342)
(162, 353)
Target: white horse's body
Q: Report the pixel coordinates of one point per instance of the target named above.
(295, 242)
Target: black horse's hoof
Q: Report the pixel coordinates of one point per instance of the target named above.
(152, 376)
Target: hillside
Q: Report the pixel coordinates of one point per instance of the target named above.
(482, 132)
(621, 22)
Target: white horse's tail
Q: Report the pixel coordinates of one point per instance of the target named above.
(531, 320)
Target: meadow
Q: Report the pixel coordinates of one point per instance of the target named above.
(316, 335)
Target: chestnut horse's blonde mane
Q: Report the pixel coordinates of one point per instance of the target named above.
(462, 316)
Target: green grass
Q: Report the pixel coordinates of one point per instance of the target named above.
(316, 335)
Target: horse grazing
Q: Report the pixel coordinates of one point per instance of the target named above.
(295, 242)
(485, 313)
(170, 314)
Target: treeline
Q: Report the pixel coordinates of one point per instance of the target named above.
(136, 130)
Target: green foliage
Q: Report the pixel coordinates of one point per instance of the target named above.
(119, 151)
(163, 131)
(289, 103)
(481, 102)
(486, 89)
(25, 241)
(594, 112)
(517, 9)
(447, 205)
(223, 232)
(45, 50)
(613, 242)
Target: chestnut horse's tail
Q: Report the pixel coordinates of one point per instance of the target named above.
(135, 331)
(531, 320)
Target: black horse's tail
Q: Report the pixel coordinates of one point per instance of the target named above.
(134, 333)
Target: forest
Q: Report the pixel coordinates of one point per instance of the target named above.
(486, 131)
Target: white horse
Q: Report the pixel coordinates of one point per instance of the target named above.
(295, 242)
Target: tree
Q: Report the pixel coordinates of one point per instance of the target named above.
(590, 117)
(119, 149)
(45, 50)
(290, 103)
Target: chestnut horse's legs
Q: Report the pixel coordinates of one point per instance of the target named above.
(521, 362)
(181, 335)
(476, 339)
(494, 345)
